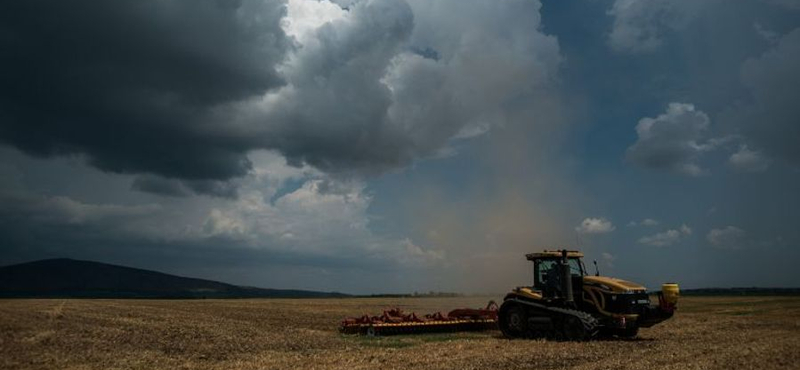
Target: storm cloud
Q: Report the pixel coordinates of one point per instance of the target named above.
(353, 92)
(133, 84)
(398, 145)
(181, 92)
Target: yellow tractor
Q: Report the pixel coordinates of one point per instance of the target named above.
(565, 303)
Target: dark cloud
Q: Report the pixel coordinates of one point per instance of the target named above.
(183, 188)
(160, 186)
(132, 84)
(224, 189)
(357, 98)
(185, 90)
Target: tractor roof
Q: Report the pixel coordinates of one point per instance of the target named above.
(552, 254)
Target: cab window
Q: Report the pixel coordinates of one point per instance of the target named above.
(546, 266)
(575, 267)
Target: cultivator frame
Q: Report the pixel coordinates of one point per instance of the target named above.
(394, 322)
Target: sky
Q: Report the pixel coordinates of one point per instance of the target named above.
(383, 146)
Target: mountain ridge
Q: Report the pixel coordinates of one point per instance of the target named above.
(72, 278)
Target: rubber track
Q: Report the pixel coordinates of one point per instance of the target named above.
(590, 324)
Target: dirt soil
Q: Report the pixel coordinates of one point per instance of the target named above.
(707, 333)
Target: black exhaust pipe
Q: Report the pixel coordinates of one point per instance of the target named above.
(566, 279)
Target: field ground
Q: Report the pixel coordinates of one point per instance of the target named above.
(707, 333)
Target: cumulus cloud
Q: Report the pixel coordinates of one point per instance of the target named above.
(639, 25)
(304, 17)
(595, 226)
(747, 160)
(674, 140)
(354, 88)
(666, 238)
(391, 81)
(729, 237)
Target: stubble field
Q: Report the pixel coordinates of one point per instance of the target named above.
(707, 333)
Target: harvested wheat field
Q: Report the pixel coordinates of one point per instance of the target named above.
(714, 332)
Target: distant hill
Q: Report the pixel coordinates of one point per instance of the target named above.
(57, 278)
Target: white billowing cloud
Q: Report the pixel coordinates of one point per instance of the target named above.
(747, 160)
(674, 140)
(280, 210)
(640, 25)
(322, 217)
(387, 82)
(303, 17)
(666, 238)
(469, 60)
(595, 226)
(219, 223)
(306, 220)
(730, 237)
(645, 222)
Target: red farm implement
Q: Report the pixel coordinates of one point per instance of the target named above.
(394, 321)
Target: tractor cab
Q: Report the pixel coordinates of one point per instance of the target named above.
(548, 272)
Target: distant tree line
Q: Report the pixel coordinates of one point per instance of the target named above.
(430, 294)
(750, 291)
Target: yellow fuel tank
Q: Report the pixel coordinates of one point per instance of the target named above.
(671, 293)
